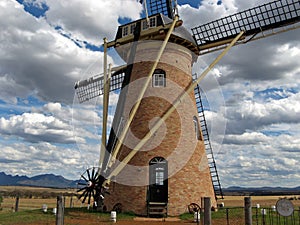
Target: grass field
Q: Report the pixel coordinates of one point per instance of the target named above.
(30, 209)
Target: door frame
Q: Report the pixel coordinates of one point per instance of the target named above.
(158, 180)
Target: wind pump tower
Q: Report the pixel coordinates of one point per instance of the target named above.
(158, 158)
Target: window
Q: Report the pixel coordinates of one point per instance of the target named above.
(132, 27)
(144, 25)
(196, 126)
(159, 78)
(159, 178)
(152, 22)
(125, 31)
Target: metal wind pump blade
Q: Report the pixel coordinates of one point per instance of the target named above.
(87, 187)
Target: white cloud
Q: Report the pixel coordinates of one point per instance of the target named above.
(252, 115)
(9, 89)
(262, 139)
(34, 127)
(36, 57)
(91, 20)
(247, 138)
(39, 158)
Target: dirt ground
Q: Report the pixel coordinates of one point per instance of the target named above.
(135, 221)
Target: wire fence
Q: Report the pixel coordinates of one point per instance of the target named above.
(223, 216)
(269, 216)
(260, 216)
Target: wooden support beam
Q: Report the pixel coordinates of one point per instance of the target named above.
(186, 93)
(141, 94)
(106, 83)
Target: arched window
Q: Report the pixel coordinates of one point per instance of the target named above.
(196, 126)
(159, 78)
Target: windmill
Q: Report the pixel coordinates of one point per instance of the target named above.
(158, 158)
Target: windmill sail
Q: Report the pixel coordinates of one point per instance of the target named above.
(93, 87)
(160, 6)
(257, 20)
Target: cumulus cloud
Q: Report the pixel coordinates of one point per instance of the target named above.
(252, 115)
(260, 86)
(35, 57)
(34, 127)
(253, 107)
(93, 20)
(30, 160)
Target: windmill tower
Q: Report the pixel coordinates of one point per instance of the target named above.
(158, 158)
(168, 164)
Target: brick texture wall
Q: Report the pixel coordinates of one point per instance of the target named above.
(189, 177)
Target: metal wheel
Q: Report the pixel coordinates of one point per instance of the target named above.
(87, 187)
(194, 207)
(118, 207)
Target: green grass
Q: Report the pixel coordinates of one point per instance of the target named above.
(187, 216)
(125, 215)
(236, 216)
(39, 217)
(26, 217)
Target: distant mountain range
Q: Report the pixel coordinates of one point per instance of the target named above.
(44, 180)
(55, 181)
(235, 190)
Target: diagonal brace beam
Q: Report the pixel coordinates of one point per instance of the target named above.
(140, 97)
(126, 160)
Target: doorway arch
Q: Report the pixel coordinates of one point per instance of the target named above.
(158, 180)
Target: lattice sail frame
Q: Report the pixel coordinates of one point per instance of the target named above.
(164, 7)
(93, 87)
(253, 21)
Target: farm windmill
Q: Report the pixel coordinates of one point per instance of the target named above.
(151, 164)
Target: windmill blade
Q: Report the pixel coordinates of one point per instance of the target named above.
(266, 20)
(84, 178)
(164, 7)
(81, 189)
(89, 198)
(83, 193)
(86, 193)
(93, 174)
(89, 176)
(93, 87)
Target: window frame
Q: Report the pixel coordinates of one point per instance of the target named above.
(197, 128)
(152, 23)
(159, 78)
(125, 31)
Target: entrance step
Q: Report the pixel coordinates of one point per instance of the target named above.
(157, 209)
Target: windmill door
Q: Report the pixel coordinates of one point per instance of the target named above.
(158, 178)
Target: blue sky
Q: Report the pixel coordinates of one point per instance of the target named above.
(253, 108)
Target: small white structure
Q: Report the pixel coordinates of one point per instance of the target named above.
(196, 217)
(113, 216)
(263, 211)
(44, 208)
